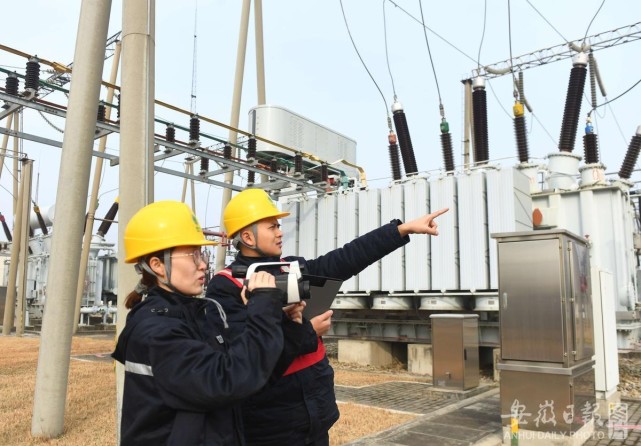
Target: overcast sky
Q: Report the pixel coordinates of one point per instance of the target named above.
(313, 69)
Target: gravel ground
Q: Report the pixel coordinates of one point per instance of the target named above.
(630, 374)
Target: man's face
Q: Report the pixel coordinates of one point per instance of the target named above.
(270, 237)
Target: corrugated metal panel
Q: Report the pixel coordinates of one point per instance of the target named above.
(291, 129)
(393, 264)
(347, 230)
(417, 252)
(369, 218)
(290, 227)
(473, 235)
(616, 250)
(327, 219)
(445, 255)
(509, 209)
(308, 229)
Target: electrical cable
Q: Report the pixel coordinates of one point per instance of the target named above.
(617, 97)
(509, 27)
(544, 129)
(420, 3)
(434, 32)
(361, 59)
(590, 24)
(192, 108)
(498, 101)
(7, 190)
(50, 123)
(478, 57)
(616, 121)
(547, 21)
(386, 52)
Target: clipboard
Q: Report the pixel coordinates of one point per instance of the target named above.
(323, 290)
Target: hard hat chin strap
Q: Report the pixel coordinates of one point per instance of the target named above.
(237, 240)
(167, 262)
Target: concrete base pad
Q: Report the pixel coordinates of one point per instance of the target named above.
(419, 359)
(604, 401)
(374, 353)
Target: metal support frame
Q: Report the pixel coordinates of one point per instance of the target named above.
(104, 128)
(607, 39)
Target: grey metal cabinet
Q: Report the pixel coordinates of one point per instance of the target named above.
(455, 351)
(544, 294)
(546, 330)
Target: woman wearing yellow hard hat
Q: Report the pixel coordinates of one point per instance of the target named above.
(183, 377)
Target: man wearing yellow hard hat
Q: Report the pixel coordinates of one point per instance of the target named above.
(184, 378)
(297, 406)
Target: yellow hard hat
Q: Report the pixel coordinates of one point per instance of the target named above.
(162, 225)
(248, 207)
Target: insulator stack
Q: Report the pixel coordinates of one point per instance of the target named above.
(110, 216)
(448, 154)
(573, 103)
(298, 164)
(102, 112)
(591, 148)
(404, 140)
(273, 165)
(324, 173)
(5, 227)
(204, 165)
(251, 149)
(118, 107)
(32, 76)
(592, 64)
(227, 152)
(170, 136)
(251, 177)
(446, 146)
(520, 131)
(11, 84)
(194, 129)
(479, 110)
(170, 133)
(393, 156)
(631, 156)
(41, 221)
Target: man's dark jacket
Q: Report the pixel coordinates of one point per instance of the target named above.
(299, 408)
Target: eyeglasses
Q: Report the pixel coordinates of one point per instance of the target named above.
(199, 256)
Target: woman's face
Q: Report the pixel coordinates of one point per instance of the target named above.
(188, 270)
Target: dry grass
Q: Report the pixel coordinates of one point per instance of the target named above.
(357, 421)
(357, 376)
(90, 416)
(90, 411)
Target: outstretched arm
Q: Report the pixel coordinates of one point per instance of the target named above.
(422, 225)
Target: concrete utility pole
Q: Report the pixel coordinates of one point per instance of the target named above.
(5, 141)
(10, 303)
(260, 52)
(136, 141)
(235, 115)
(57, 323)
(25, 207)
(16, 154)
(93, 200)
(260, 61)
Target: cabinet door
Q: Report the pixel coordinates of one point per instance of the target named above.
(530, 295)
(582, 331)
